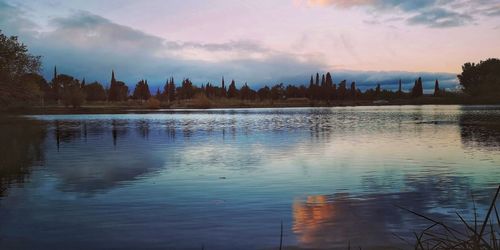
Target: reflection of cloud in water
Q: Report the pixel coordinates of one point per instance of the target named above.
(92, 164)
(324, 221)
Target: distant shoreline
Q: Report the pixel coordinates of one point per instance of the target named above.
(134, 107)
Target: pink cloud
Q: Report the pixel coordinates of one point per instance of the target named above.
(340, 3)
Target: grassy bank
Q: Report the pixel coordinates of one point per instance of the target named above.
(206, 103)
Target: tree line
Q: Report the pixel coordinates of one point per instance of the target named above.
(21, 82)
(67, 90)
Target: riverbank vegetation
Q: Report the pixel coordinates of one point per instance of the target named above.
(22, 86)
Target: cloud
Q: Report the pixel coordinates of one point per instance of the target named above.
(83, 44)
(341, 3)
(430, 13)
(87, 45)
(12, 20)
(440, 18)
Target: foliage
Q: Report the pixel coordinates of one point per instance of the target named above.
(16, 62)
(95, 92)
(153, 103)
(418, 89)
(72, 92)
(20, 83)
(482, 78)
(477, 234)
(141, 91)
(186, 91)
(118, 91)
(232, 91)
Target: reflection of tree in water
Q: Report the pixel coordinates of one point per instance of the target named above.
(89, 164)
(67, 132)
(480, 129)
(21, 148)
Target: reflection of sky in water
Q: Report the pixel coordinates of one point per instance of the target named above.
(227, 178)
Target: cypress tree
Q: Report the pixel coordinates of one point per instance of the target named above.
(436, 88)
(329, 80)
(232, 91)
(418, 89)
(353, 90)
(56, 86)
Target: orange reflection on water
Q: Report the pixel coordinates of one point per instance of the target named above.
(309, 217)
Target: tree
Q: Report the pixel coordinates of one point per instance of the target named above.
(118, 91)
(141, 91)
(114, 90)
(15, 62)
(264, 93)
(327, 87)
(341, 91)
(72, 93)
(171, 90)
(400, 89)
(186, 91)
(482, 79)
(95, 92)
(353, 90)
(56, 87)
(436, 88)
(377, 91)
(418, 89)
(246, 93)
(232, 91)
(37, 86)
(277, 91)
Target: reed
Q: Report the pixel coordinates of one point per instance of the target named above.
(440, 235)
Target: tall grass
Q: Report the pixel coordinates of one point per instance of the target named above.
(440, 235)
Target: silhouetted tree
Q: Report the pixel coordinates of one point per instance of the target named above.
(329, 88)
(246, 93)
(418, 89)
(169, 90)
(400, 88)
(277, 91)
(378, 91)
(264, 93)
(353, 90)
(15, 61)
(232, 91)
(38, 85)
(436, 88)
(141, 91)
(482, 79)
(95, 92)
(72, 93)
(186, 91)
(341, 91)
(118, 91)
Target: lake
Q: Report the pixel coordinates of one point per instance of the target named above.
(227, 179)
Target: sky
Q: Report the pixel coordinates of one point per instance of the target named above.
(257, 41)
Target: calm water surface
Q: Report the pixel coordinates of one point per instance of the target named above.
(226, 179)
